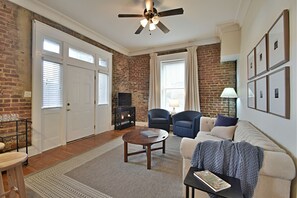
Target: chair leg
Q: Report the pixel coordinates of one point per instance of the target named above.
(20, 181)
(16, 182)
(11, 177)
(2, 191)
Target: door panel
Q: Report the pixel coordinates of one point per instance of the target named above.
(52, 127)
(80, 103)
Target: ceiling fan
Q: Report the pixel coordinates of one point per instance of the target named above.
(152, 17)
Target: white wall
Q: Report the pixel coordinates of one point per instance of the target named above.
(260, 17)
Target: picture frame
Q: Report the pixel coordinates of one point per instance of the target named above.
(278, 41)
(261, 94)
(279, 93)
(251, 95)
(261, 56)
(251, 64)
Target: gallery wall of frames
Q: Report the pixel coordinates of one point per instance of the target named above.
(268, 86)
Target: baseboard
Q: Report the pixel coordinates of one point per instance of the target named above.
(144, 124)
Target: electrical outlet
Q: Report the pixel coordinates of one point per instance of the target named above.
(27, 94)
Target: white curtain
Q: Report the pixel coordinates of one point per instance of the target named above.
(154, 89)
(192, 101)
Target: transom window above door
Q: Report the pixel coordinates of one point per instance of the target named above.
(80, 55)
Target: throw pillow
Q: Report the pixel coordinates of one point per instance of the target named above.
(225, 121)
(223, 132)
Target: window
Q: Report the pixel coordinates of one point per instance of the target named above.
(103, 89)
(51, 46)
(79, 55)
(173, 84)
(103, 62)
(52, 85)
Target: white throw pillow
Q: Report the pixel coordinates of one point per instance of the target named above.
(223, 132)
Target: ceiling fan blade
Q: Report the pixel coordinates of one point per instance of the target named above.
(163, 27)
(130, 15)
(149, 5)
(139, 29)
(171, 12)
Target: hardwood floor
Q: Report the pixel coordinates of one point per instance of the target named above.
(59, 154)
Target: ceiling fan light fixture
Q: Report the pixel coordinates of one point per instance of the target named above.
(143, 22)
(151, 17)
(152, 26)
(155, 20)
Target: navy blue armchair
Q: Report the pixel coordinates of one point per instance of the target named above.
(186, 123)
(159, 118)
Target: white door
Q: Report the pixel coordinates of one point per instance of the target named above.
(80, 103)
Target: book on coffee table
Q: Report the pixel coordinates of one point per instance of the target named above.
(211, 180)
(149, 134)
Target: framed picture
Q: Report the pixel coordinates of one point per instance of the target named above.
(279, 92)
(251, 95)
(261, 56)
(278, 41)
(251, 66)
(261, 94)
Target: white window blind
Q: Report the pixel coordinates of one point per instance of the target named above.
(103, 88)
(52, 78)
(173, 84)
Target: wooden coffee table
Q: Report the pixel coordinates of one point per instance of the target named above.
(134, 137)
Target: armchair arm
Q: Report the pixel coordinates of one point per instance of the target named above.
(196, 124)
(177, 117)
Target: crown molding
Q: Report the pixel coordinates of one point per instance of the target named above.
(242, 11)
(176, 46)
(43, 10)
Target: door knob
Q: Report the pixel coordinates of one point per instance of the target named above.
(68, 109)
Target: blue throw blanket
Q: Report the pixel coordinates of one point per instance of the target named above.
(240, 160)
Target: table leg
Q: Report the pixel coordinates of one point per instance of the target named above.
(193, 192)
(163, 146)
(148, 155)
(125, 152)
(187, 191)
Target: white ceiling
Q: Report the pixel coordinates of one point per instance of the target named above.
(199, 22)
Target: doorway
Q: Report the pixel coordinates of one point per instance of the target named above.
(80, 107)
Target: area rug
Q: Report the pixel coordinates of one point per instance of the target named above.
(103, 173)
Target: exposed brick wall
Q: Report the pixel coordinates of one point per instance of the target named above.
(139, 84)
(15, 65)
(213, 78)
(120, 77)
(15, 62)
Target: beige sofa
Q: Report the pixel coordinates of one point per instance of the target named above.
(278, 169)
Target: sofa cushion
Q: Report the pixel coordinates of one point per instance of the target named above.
(203, 136)
(245, 131)
(159, 120)
(223, 132)
(225, 121)
(184, 124)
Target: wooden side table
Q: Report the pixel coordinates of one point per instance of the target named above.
(191, 181)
